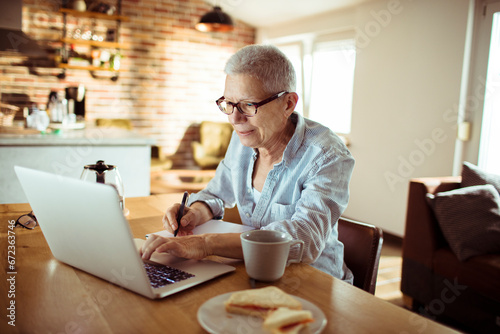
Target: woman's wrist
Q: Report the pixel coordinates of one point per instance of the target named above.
(205, 213)
(223, 244)
(207, 244)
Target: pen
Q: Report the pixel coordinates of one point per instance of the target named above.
(181, 212)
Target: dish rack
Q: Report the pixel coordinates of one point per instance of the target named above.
(7, 114)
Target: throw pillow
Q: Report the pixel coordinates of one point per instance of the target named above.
(473, 176)
(469, 219)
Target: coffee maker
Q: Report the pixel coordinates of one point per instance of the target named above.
(76, 101)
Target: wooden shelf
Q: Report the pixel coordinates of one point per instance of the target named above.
(111, 45)
(93, 15)
(87, 68)
(118, 19)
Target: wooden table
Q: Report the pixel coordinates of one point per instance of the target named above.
(179, 180)
(51, 297)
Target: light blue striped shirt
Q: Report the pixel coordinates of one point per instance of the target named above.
(303, 195)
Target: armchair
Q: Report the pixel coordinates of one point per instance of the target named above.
(434, 281)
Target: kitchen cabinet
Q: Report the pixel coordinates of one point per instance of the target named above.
(66, 154)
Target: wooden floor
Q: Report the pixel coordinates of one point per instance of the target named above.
(389, 272)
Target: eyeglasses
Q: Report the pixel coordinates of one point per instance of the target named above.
(249, 109)
(27, 220)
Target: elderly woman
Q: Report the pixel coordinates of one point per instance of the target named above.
(283, 171)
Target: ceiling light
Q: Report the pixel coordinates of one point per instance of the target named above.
(215, 20)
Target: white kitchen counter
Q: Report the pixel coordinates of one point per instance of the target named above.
(87, 136)
(67, 152)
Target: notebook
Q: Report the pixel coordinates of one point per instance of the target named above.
(85, 228)
(211, 226)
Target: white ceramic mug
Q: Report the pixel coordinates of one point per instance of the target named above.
(266, 253)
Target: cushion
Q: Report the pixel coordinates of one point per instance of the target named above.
(473, 176)
(469, 219)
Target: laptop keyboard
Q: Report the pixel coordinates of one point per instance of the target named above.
(160, 275)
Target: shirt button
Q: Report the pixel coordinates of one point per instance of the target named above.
(249, 190)
(248, 215)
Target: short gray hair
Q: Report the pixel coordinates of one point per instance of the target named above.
(266, 63)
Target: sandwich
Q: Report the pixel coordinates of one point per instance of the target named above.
(259, 302)
(287, 321)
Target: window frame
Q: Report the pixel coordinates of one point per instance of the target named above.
(307, 44)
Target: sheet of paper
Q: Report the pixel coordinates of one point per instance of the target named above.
(213, 226)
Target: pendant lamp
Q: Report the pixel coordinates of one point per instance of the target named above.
(215, 20)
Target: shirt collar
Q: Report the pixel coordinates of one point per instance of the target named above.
(297, 138)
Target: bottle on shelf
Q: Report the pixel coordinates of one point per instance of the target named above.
(115, 60)
(63, 54)
(79, 5)
(96, 55)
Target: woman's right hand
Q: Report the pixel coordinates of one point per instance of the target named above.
(194, 215)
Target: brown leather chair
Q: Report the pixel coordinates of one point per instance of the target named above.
(214, 141)
(362, 248)
(120, 123)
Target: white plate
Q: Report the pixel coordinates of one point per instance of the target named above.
(213, 317)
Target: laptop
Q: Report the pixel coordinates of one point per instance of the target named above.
(85, 228)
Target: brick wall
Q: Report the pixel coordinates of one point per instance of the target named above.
(172, 72)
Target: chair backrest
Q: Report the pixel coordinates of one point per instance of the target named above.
(362, 248)
(121, 123)
(214, 141)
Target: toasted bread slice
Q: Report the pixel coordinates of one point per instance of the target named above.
(259, 302)
(284, 320)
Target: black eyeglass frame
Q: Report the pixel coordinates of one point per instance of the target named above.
(32, 216)
(255, 104)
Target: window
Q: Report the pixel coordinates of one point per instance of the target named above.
(332, 84)
(294, 53)
(489, 159)
(325, 78)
